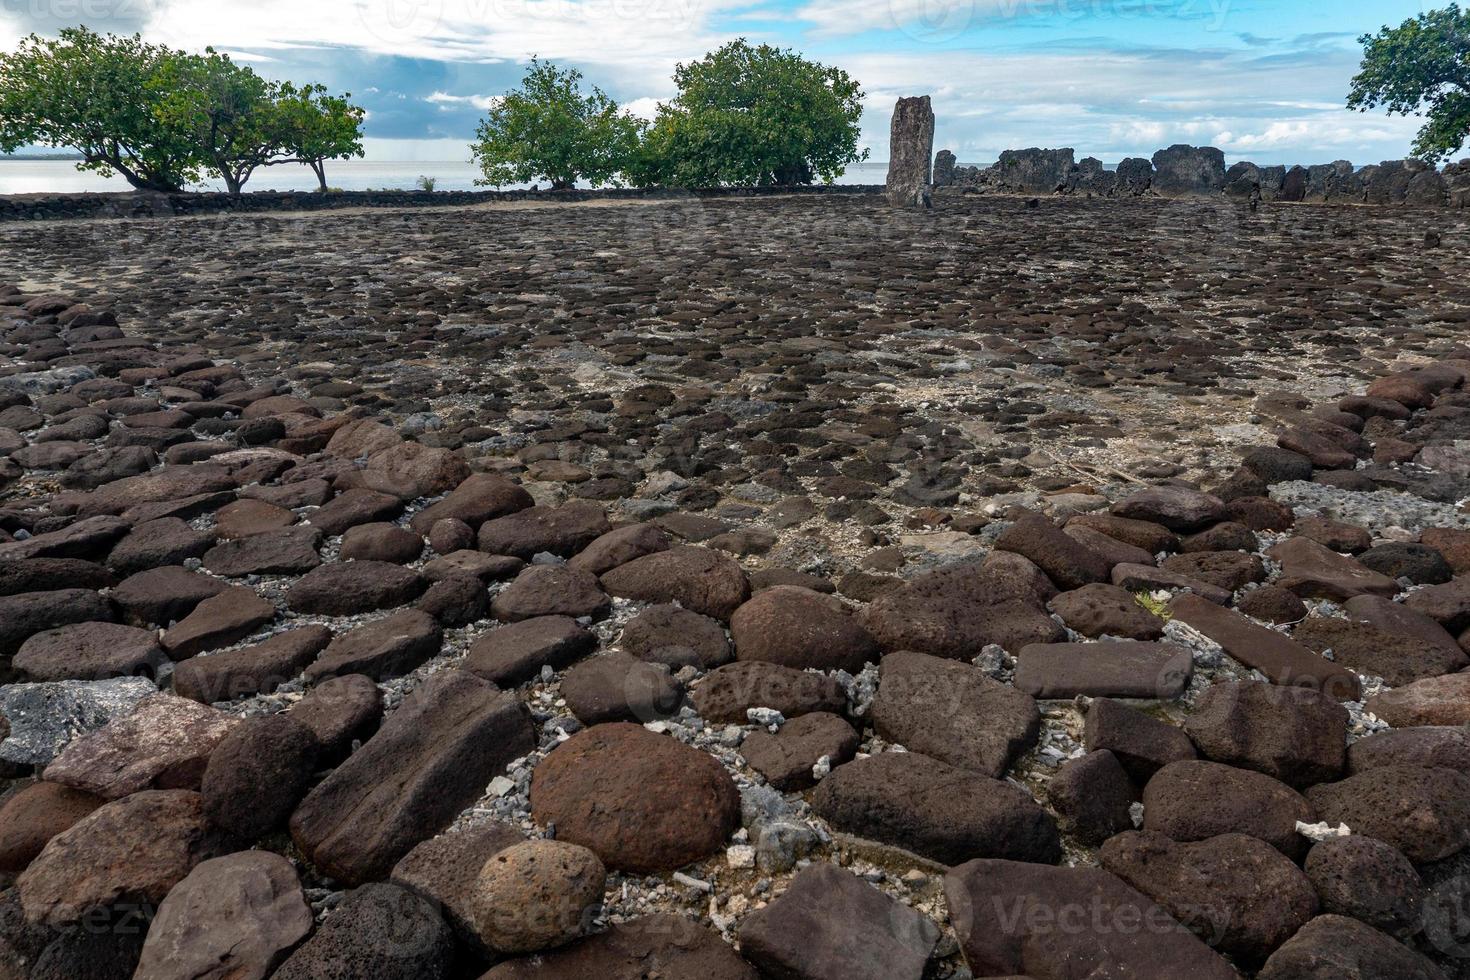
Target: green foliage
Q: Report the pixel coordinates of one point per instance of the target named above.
(548, 128)
(426, 184)
(754, 115)
(163, 118)
(1422, 66)
(101, 96)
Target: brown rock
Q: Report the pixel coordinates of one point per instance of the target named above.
(620, 547)
(562, 531)
(480, 498)
(219, 621)
(90, 651)
(696, 578)
(256, 669)
(1113, 668)
(36, 814)
(786, 758)
(1334, 946)
(1425, 813)
(638, 949)
(1311, 570)
(1293, 734)
(512, 654)
(1142, 744)
(1196, 800)
(1431, 701)
(536, 895)
(551, 590)
(388, 647)
(643, 803)
(803, 629)
(1098, 609)
(675, 636)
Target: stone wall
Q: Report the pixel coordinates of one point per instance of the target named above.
(1195, 171)
(38, 207)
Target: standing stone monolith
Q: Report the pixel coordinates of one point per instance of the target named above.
(944, 162)
(911, 152)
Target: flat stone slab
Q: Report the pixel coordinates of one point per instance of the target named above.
(1311, 570)
(90, 651)
(953, 712)
(1111, 668)
(1280, 658)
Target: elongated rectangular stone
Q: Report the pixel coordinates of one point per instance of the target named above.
(1279, 657)
(432, 758)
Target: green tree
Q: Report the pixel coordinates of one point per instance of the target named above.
(316, 127)
(548, 128)
(1421, 67)
(102, 97)
(754, 115)
(228, 111)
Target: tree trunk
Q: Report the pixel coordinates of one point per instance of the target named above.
(320, 168)
(563, 185)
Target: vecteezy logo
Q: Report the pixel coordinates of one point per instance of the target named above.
(399, 21)
(932, 21)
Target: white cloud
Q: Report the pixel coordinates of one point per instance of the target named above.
(445, 101)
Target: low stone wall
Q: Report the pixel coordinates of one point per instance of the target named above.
(50, 207)
(1199, 171)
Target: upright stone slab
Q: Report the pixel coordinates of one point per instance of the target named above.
(944, 163)
(910, 151)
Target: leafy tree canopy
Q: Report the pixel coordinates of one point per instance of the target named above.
(754, 115)
(549, 129)
(1421, 66)
(104, 98)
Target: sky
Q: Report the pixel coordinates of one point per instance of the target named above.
(1264, 80)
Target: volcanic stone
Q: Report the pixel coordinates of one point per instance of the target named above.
(1196, 800)
(480, 498)
(786, 758)
(290, 551)
(34, 815)
(219, 621)
(1092, 795)
(23, 616)
(829, 924)
(1012, 918)
(381, 931)
(166, 541)
(1066, 562)
(1235, 892)
(537, 894)
(1111, 668)
(1333, 946)
(161, 596)
(695, 578)
(726, 694)
(1142, 744)
(637, 949)
(617, 687)
(340, 710)
(1176, 508)
(515, 653)
(1369, 880)
(445, 870)
(1311, 570)
(256, 669)
(935, 810)
(563, 530)
(433, 757)
(675, 636)
(90, 651)
(236, 916)
(799, 628)
(1293, 734)
(350, 588)
(353, 507)
(257, 774)
(1425, 813)
(644, 803)
(1098, 609)
(389, 647)
(551, 590)
(1431, 701)
(130, 852)
(953, 712)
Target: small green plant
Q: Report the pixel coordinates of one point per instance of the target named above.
(426, 184)
(1158, 606)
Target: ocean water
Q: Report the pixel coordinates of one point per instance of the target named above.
(62, 177)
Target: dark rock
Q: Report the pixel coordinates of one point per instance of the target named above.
(512, 654)
(480, 498)
(1066, 562)
(935, 810)
(1147, 578)
(166, 541)
(382, 543)
(1143, 534)
(290, 551)
(1223, 569)
(381, 931)
(956, 611)
(354, 507)
(620, 547)
(351, 588)
(829, 924)
(1418, 563)
(563, 530)
(432, 758)
(218, 621)
(130, 852)
(23, 616)
(725, 694)
(1014, 918)
(1431, 701)
(257, 774)
(1432, 746)
(49, 574)
(338, 711)
(34, 815)
(1333, 946)
(551, 590)
(1281, 659)
(1366, 879)
(161, 596)
(911, 152)
(1112, 668)
(1176, 508)
(445, 870)
(1272, 604)
(695, 578)
(1399, 657)
(953, 712)
(90, 651)
(389, 647)
(675, 636)
(644, 803)
(1425, 813)
(1311, 570)
(456, 601)
(1196, 800)
(799, 628)
(639, 949)
(1235, 892)
(1092, 794)
(256, 669)
(617, 687)
(1098, 609)
(1142, 744)
(786, 758)
(1293, 734)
